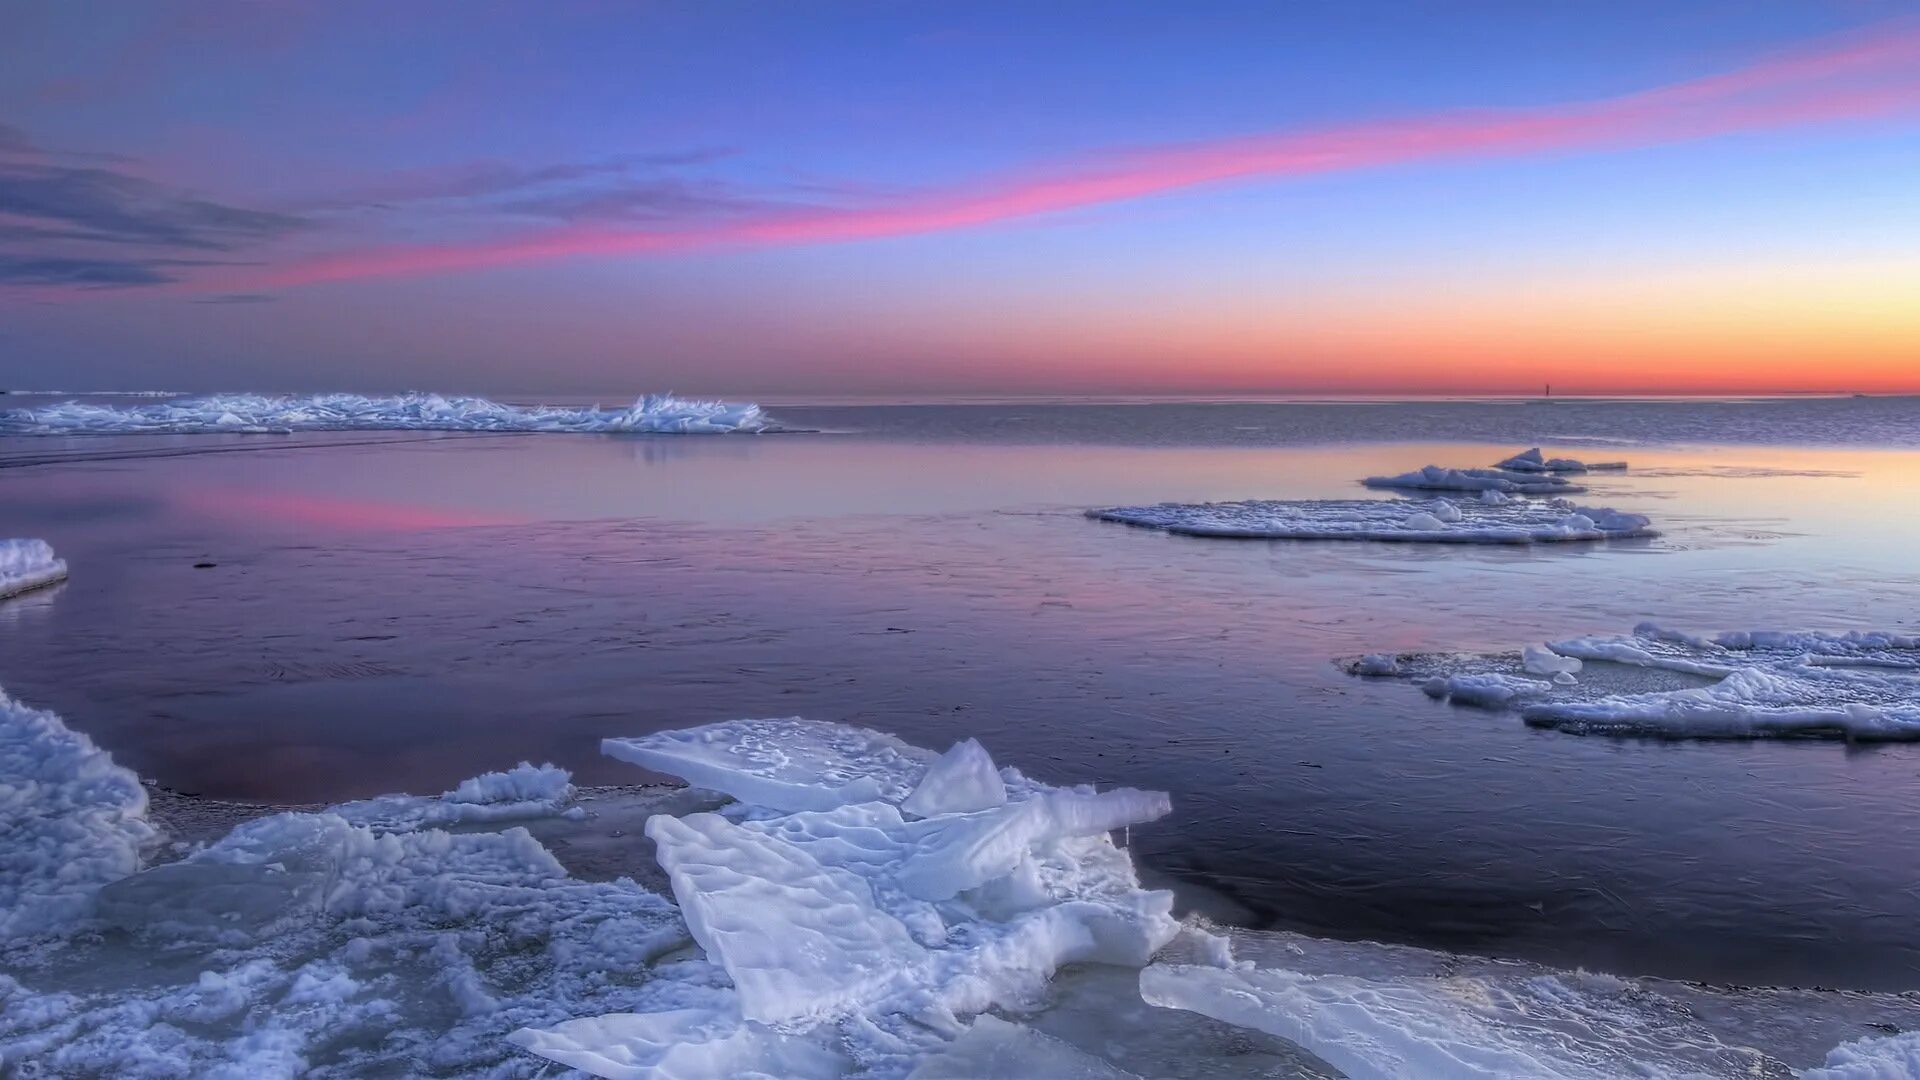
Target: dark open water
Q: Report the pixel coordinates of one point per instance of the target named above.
(399, 612)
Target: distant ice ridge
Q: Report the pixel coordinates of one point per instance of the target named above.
(27, 565)
(263, 413)
(1533, 461)
(1439, 521)
(1862, 686)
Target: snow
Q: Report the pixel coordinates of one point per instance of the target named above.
(1891, 1057)
(1506, 481)
(265, 413)
(70, 821)
(1395, 520)
(26, 565)
(1533, 461)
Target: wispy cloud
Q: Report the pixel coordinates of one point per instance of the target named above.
(1862, 76)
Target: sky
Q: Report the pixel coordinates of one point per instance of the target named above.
(925, 199)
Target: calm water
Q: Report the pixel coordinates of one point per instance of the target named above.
(394, 612)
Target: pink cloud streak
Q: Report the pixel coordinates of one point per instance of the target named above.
(1862, 76)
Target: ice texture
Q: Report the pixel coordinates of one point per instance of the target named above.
(1533, 461)
(266, 413)
(1440, 521)
(71, 821)
(28, 564)
(783, 764)
(994, 1049)
(1568, 1026)
(1860, 685)
(1888, 1057)
(525, 791)
(1506, 481)
(681, 1044)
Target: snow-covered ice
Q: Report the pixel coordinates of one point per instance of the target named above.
(1862, 686)
(863, 938)
(70, 821)
(1505, 481)
(28, 564)
(1437, 521)
(267, 413)
(1533, 461)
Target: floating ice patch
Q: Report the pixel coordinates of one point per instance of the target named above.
(28, 564)
(785, 764)
(1506, 481)
(1533, 461)
(1439, 521)
(262, 413)
(1655, 682)
(71, 821)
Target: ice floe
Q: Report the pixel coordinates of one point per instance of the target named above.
(1505, 481)
(27, 565)
(1438, 521)
(1657, 682)
(266, 413)
(1533, 461)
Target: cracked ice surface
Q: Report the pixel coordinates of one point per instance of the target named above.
(262, 413)
(28, 564)
(1657, 682)
(1437, 521)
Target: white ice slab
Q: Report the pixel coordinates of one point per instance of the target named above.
(1394, 520)
(681, 1044)
(27, 565)
(1885, 1057)
(785, 764)
(1506, 481)
(961, 781)
(1777, 700)
(264, 413)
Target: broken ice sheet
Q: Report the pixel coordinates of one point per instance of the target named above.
(1435, 521)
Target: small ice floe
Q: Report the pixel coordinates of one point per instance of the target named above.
(1439, 521)
(525, 791)
(1533, 461)
(267, 413)
(26, 565)
(1506, 481)
(1862, 686)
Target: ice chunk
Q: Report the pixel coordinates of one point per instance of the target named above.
(962, 780)
(258, 413)
(681, 1044)
(1474, 522)
(1437, 478)
(1539, 660)
(28, 564)
(1376, 664)
(525, 791)
(1653, 646)
(789, 764)
(1534, 461)
(1888, 1057)
(1492, 497)
(1488, 690)
(801, 941)
(993, 1049)
(71, 821)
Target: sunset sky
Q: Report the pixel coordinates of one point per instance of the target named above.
(920, 199)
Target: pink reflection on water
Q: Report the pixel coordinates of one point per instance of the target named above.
(333, 511)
